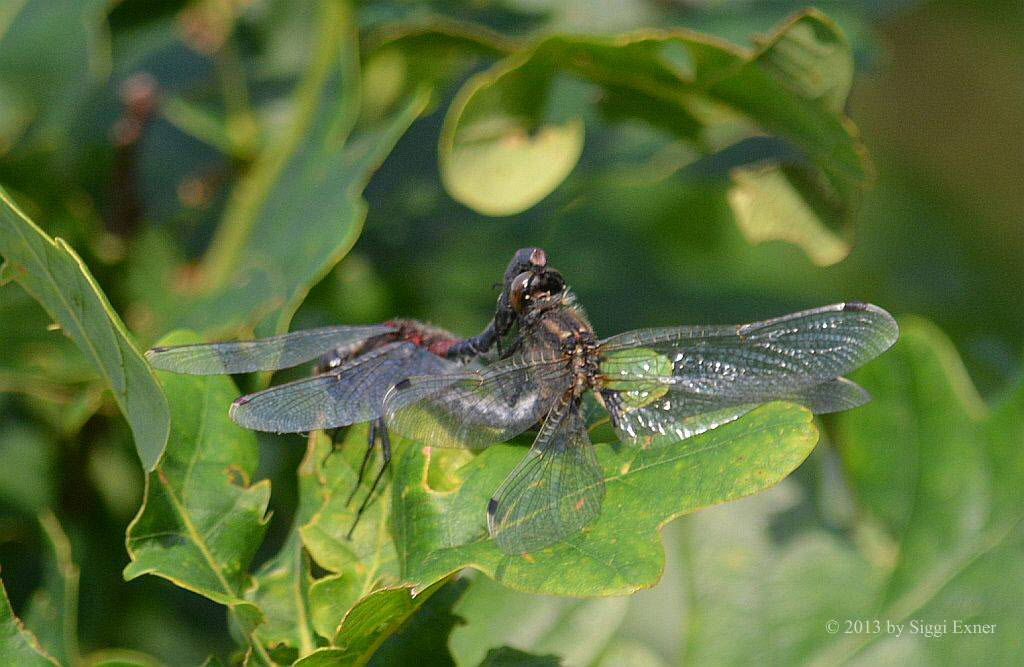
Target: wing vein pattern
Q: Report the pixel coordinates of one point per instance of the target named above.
(555, 491)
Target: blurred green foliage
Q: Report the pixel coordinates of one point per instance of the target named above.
(242, 167)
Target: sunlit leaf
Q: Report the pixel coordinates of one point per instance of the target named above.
(202, 518)
(362, 563)
(56, 277)
(768, 208)
(282, 583)
(438, 532)
(357, 606)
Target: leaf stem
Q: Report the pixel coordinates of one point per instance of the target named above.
(253, 189)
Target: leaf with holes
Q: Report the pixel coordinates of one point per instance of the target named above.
(438, 531)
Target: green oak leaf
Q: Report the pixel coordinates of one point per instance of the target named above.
(322, 657)
(18, 646)
(299, 209)
(515, 131)
(202, 519)
(942, 473)
(42, 364)
(439, 532)
(56, 277)
(435, 52)
(359, 604)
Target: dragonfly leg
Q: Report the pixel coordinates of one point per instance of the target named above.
(375, 427)
(385, 448)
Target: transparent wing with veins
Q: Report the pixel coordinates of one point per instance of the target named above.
(555, 491)
(349, 394)
(663, 385)
(264, 354)
(676, 415)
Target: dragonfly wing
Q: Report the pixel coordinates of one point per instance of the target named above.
(350, 394)
(264, 354)
(471, 410)
(674, 415)
(759, 361)
(832, 396)
(554, 492)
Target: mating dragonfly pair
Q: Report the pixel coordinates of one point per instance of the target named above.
(659, 386)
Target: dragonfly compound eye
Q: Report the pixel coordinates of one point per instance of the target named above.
(520, 290)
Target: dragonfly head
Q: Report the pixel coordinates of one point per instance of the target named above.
(526, 280)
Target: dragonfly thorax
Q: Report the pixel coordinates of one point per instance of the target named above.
(578, 346)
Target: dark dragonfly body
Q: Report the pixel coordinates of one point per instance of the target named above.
(356, 365)
(660, 386)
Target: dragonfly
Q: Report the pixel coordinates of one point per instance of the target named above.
(659, 386)
(356, 365)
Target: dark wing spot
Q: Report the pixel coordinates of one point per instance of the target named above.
(242, 401)
(492, 506)
(402, 385)
(856, 306)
